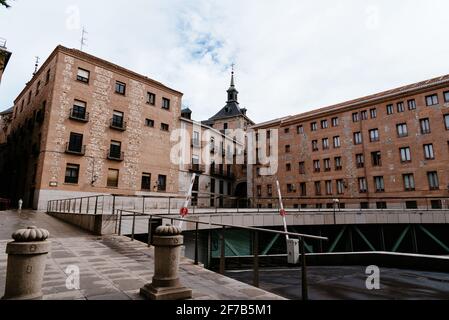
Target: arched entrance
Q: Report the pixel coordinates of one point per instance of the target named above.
(241, 192)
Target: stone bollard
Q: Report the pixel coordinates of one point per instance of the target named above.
(27, 257)
(167, 241)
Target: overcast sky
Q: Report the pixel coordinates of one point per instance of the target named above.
(290, 56)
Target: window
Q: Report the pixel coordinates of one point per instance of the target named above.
(38, 87)
(162, 183)
(290, 188)
(79, 110)
(446, 121)
(364, 115)
(411, 204)
(269, 190)
(116, 150)
(259, 191)
(381, 205)
(302, 168)
(75, 142)
(373, 113)
(117, 119)
(379, 183)
(313, 126)
(357, 138)
(151, 98)
(317, 188)
(120, 87)
(303, 189)
(315, 145)
(146, 181)
(400, 107)
(316, 166)
(433, 180)
(446, 96)
(425, 126)
(196, 139)
(428, 152)
(72, 173)
(287, 148)
(149, 123)
(376, 159)
(286, 130)
(29, 96)
(363, 186)
(409, 182)
(325, 143)
(337, 143)
(335, 122)
(165, 127)
(83, 75)
(324, 124)
(47, 77)
(411, 104)
(402, 130)
(355, 117)
(389, 109)
(328, 187)
(374, 135)
(436, 204)
(288, 167)
(340, 186)
(405, 154)
(166, 104)
(113, 175)
(225, 126)
(360, 160)
(338, 164)
(300, 129)
(327, 165)
(432, 100)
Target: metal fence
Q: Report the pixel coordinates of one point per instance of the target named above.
(255, 236)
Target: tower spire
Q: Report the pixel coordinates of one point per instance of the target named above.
(232, 91)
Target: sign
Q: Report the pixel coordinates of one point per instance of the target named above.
(282, 212)
(184, 212)
(53, 184)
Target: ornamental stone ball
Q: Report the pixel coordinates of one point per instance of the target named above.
(27, 257)
(168, 230)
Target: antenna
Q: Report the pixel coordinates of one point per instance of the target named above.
(83, 38)
(36, 65)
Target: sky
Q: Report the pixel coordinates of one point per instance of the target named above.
(291, 56)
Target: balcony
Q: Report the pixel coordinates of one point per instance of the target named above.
(75, 149)
(197, 168)
(79, 116)
(116, 155)
(117, 124)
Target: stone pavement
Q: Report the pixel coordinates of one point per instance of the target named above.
(112, 267)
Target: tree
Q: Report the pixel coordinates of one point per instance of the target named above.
(4, 3)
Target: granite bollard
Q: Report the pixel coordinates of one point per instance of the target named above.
(27, 256)
(167, 241)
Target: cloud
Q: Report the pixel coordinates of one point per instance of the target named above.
(290, 56)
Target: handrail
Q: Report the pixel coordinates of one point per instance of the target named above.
(299, 235)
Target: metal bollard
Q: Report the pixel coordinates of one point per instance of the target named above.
(166, 285)
(27, 256)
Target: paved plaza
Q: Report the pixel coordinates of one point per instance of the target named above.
(111, 267)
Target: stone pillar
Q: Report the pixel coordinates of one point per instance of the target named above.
(27, 256)
(167, 241)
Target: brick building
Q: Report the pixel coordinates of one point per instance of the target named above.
(5, 55)
(85, 126)
(384, 150)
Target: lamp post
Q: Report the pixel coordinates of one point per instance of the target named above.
(336, 201)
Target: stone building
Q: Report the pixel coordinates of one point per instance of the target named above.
(212, 153)
(84, 126)
(5, 55)
(389, 149)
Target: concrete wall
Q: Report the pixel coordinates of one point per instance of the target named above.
(101, 224)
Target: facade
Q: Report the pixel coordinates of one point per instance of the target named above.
(84, 126)
(213, 152)
(386, 150)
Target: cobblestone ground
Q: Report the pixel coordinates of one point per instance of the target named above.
(112, 267)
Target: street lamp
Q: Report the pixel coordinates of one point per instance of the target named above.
(336, 201)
